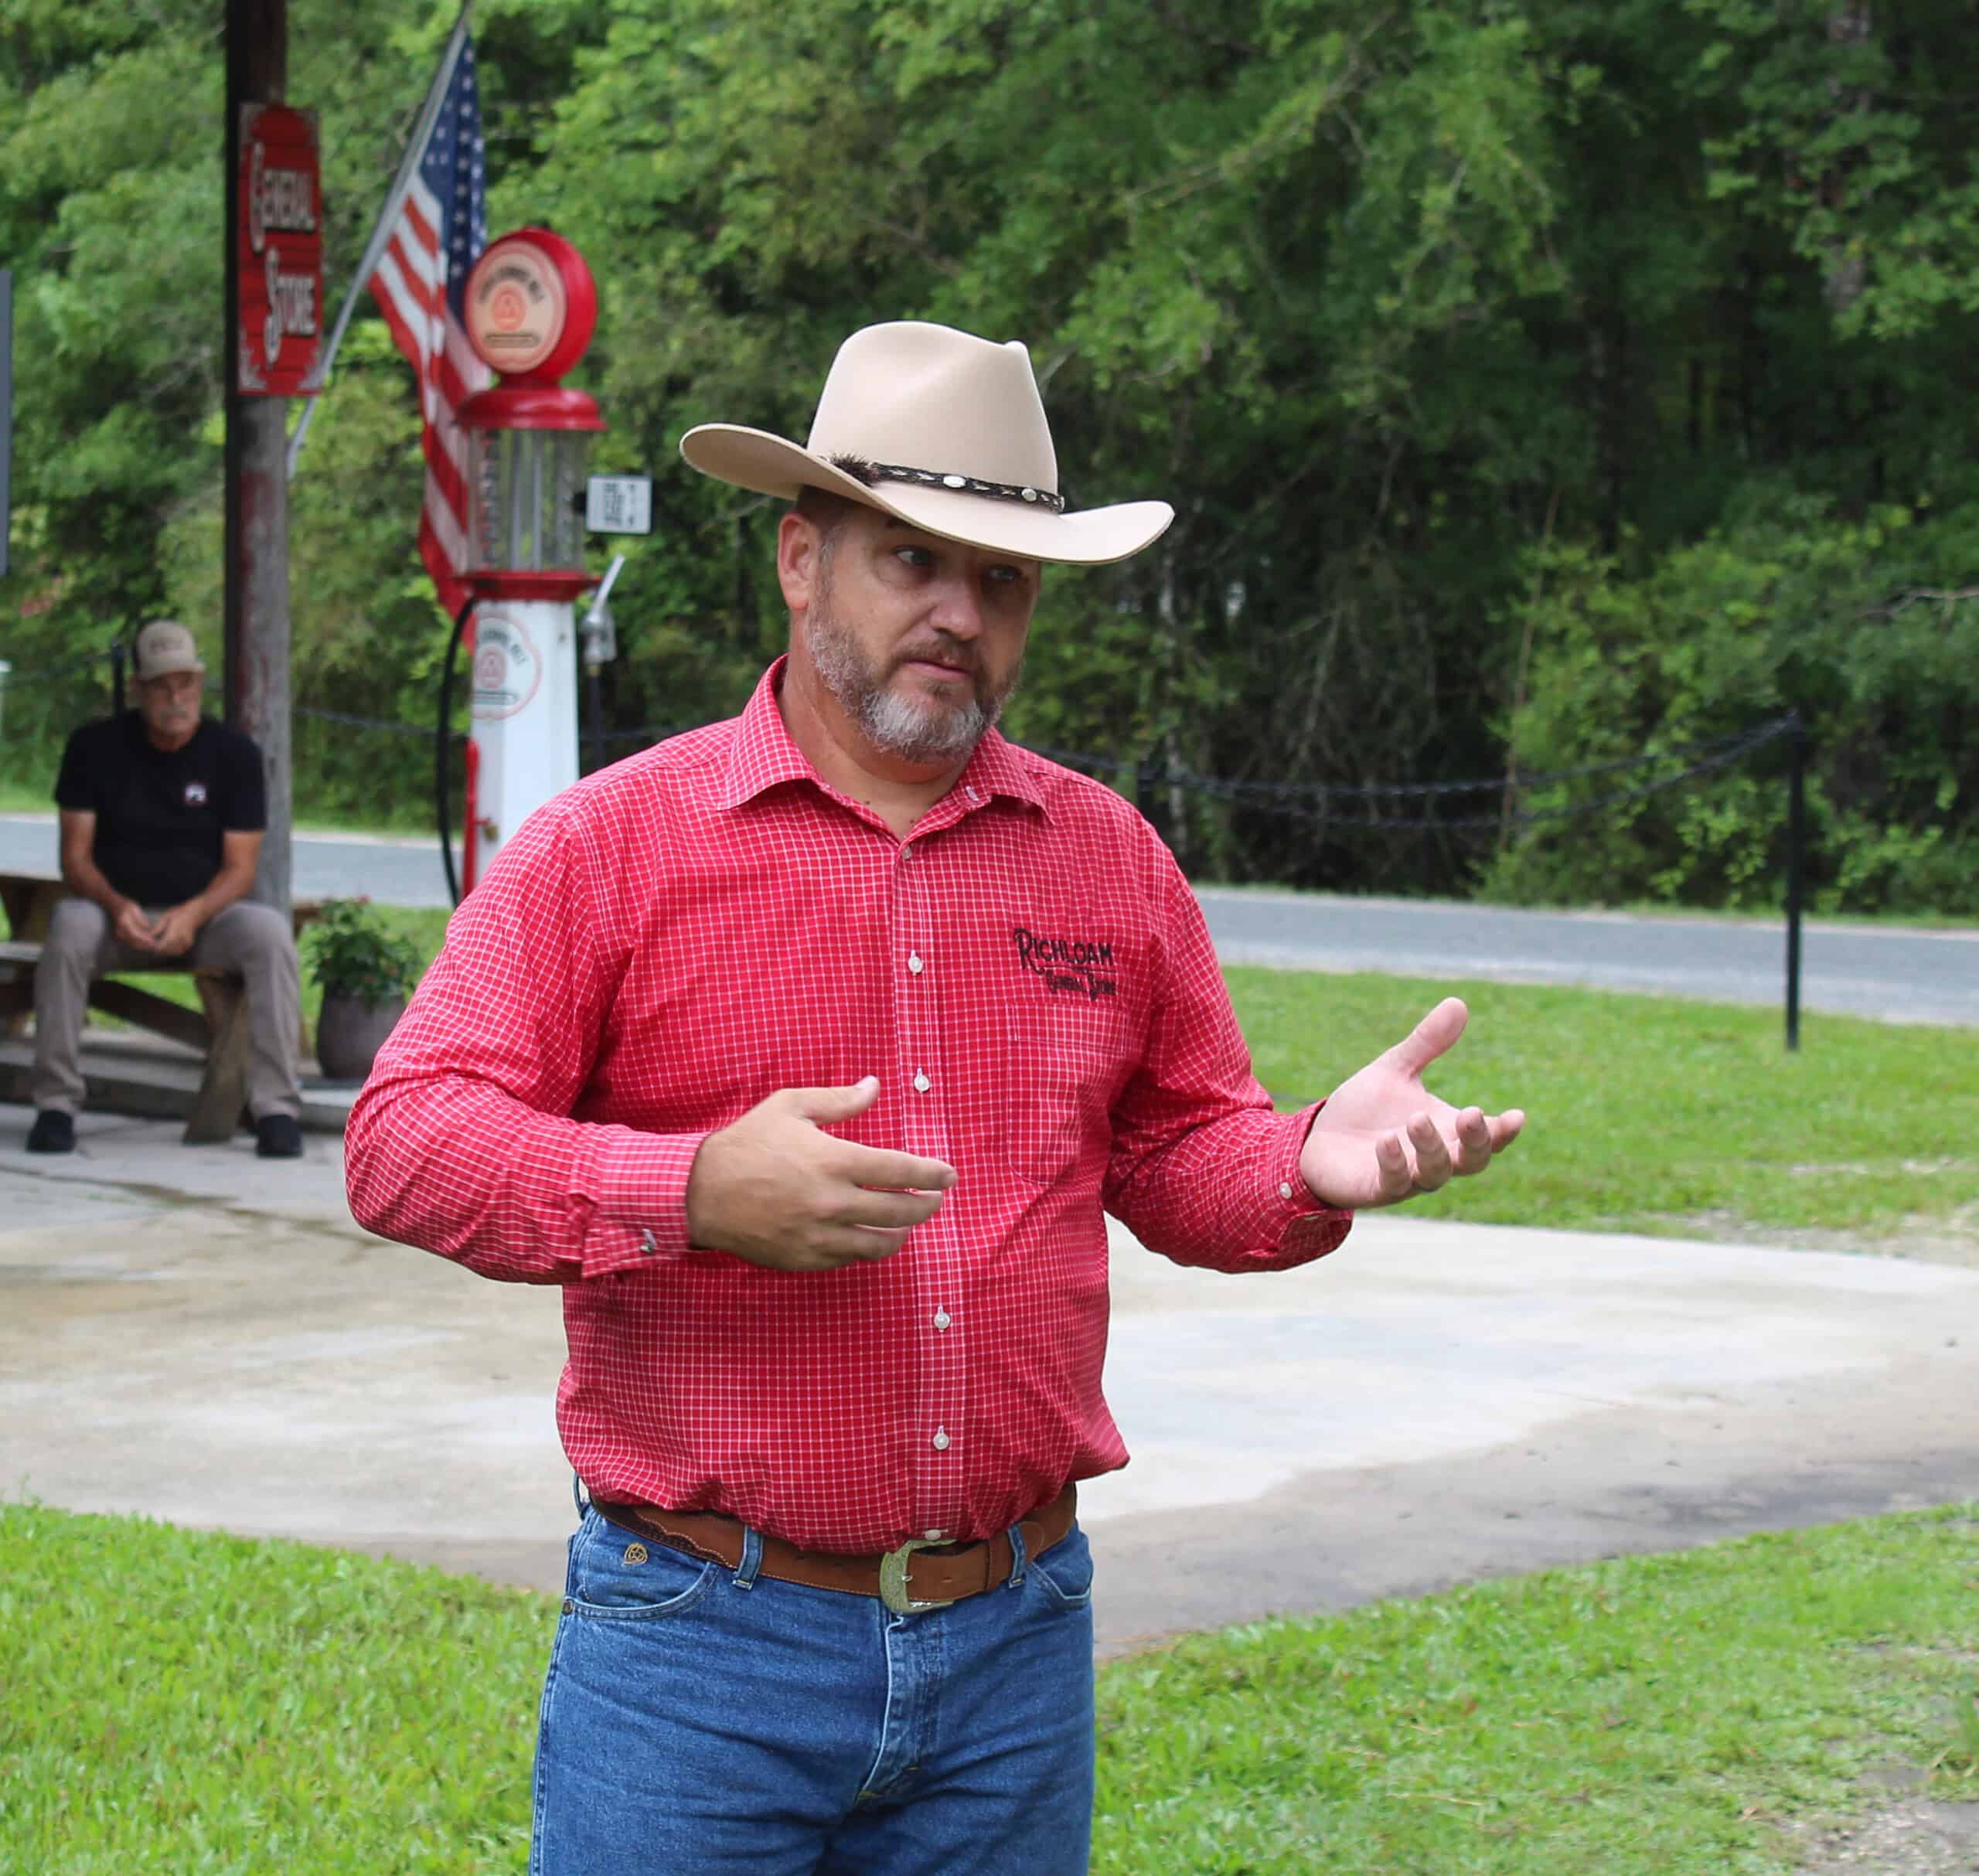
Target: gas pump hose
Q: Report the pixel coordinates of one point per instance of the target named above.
(441, 750)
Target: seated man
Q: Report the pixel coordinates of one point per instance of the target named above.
(162, 815)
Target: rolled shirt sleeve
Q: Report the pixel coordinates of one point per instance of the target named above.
(463, 1140)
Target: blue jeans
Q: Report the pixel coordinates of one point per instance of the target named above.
(698, 1719)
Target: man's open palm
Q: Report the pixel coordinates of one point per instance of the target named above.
(1382, 1137)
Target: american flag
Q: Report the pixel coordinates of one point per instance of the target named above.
(419, 282)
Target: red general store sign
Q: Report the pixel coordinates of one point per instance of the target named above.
(280, 317)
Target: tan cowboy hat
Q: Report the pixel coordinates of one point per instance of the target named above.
(945, 431)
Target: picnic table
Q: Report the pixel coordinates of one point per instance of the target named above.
(218, 1029)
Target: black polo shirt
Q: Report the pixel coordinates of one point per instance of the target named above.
(160, 813)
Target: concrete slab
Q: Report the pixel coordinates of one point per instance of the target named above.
(202, 1336)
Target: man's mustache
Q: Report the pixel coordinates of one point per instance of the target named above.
(945, 652)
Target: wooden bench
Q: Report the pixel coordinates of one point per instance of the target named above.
(218, 1029)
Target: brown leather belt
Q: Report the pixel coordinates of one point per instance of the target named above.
(922, 1573)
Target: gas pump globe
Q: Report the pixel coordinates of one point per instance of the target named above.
(530, 306)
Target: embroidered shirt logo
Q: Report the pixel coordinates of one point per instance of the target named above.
(196, 794)
(1080, 967)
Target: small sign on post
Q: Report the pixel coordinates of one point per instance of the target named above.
(279, 322)
(618, 505)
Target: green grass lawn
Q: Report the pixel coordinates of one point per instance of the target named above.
(1653, 1114)
(179, 1701)
(1659, 1714)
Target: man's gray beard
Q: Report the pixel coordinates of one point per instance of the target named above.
(918, 732)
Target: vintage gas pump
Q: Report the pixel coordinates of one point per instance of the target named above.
(530, 307)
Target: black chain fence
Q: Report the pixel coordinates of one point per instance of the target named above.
(1334, 803)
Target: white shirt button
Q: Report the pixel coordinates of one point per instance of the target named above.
(972, 794)
(906, 851)
(921, 1084)
(648, 1243)
(934, 1536)
(943, 1319)
(915, 962)
(1285, 1190)
(941, 1439)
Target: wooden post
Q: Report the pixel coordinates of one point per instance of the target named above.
(256, 571)
(6, 406)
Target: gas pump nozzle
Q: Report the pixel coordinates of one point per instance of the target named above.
(601, 637)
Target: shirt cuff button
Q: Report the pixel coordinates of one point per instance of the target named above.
(1285, 1190)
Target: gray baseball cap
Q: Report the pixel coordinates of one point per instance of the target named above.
(165, 646)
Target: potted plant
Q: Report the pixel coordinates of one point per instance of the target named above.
(366, 973)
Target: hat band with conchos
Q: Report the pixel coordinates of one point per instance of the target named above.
(872, 472)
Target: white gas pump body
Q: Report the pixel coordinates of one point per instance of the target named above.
(523, 715)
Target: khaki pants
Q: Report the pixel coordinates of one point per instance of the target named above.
(250, 940)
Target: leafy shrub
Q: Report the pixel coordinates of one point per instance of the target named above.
(351, 954)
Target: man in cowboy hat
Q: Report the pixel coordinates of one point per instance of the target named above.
(806, 1051)
(162, 814)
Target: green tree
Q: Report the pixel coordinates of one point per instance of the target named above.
(1453, 330)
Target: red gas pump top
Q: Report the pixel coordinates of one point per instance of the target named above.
(530, 307)
(530, 406)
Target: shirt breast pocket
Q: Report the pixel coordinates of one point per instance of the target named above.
(1066, 1057)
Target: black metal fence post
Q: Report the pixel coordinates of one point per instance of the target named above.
(1796, 840)
(116, 675)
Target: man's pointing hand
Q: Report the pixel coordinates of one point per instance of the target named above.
(776, 1189)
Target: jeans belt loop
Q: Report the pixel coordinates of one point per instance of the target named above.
(893, 1577)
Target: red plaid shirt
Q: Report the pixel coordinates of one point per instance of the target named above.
(681, 935)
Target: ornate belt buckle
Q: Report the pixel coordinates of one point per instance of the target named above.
(893, 1577)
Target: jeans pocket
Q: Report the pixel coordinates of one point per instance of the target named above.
(1064, 1572)
(617, 1575)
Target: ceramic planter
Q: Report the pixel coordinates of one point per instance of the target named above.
(349, 1033)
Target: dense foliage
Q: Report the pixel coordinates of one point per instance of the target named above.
(1535, 383)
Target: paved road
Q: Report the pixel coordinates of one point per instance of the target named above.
(1906, 976)
(393, 870)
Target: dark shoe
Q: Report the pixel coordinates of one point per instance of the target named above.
(53, 1131)
(277, 1136)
